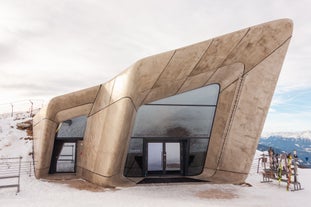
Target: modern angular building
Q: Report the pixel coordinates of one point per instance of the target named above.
(194, 112)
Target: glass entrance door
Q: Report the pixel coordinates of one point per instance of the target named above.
(163, 158)
(155, 157)
(172, 152)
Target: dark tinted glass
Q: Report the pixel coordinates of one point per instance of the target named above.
(134, 161)
(72, 128)
(197, 154)
(207, 95)
(173, 121)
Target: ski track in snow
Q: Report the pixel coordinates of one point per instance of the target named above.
(42, 193)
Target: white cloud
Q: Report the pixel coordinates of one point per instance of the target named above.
(284, 122)
(52, 47)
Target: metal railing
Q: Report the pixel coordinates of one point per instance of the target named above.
(29, 106)
(11, 170)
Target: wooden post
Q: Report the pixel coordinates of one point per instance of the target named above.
(31, 108)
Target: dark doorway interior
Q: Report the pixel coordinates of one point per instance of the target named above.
(63, 157)
(164, 158)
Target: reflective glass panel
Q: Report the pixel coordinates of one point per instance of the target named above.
(72, 128)
(172, 151)
(197, 154)
(176, 121)
(155, 161)
(66, 159)
(207, 95)
(134, 161)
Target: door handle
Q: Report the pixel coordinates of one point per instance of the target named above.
(164, 160)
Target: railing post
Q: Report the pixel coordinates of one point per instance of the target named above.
(19, 173)
(30, 169)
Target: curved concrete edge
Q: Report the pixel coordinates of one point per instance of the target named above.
(46, 121)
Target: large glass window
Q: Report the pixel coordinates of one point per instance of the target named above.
(173, 121)
(186, 118)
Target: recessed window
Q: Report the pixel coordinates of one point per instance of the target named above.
(72, 128)
(183, 121)
(65, 145)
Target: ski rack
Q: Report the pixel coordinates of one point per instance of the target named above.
(281, 167)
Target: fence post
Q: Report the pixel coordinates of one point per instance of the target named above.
(31, 107)
(12, 110)
(30, 169)
(19, 173)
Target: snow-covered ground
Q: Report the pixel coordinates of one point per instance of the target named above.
(42, 193)
(14, 142)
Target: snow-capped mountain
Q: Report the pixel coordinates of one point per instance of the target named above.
(302, 134)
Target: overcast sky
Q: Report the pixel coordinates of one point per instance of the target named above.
(52, 47)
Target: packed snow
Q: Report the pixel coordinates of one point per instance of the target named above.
(35, 192)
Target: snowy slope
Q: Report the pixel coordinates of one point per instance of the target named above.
(14, 142)
(42, 193)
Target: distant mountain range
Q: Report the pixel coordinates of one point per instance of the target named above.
(288, 142)
(302, 134)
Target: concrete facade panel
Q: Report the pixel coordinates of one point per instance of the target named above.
(260, 42)
(140, 77)
(73, 112)
(107, 133)
(195, 81)
(78, 98)
(250, 117)
(43, 146)
(226, 75)
(103, 98)
(218, 51)
(223, 119)
(168, 88)
(182, 63)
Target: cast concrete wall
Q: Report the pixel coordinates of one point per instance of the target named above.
(246, 64)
